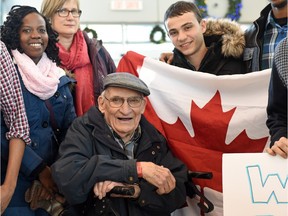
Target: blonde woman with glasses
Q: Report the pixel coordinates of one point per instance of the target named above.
(83, 58)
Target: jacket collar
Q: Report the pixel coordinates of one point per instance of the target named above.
(226, 32)
(264, 13)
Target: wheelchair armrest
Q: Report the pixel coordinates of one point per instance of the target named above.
(202, 175)
(191, 190)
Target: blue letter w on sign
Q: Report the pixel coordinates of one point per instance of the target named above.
(265, 188)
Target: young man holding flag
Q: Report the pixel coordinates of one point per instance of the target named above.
(211, 46)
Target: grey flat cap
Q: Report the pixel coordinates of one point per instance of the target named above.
(126, 80)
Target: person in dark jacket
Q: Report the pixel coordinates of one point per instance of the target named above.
(48, 102)
(114, 145)
(83, 58)
(264, 34)
(210, 46)
(277, 101)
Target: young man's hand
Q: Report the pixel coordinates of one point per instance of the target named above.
(166, 57)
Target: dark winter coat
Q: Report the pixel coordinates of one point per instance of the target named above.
(278, 94)
(89, 154)
(225, 42)
(254, 41)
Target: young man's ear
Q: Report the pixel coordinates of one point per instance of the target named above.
(203, 25)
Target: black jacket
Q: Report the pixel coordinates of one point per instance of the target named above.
(89, 154)
(278, 96)
(225, 42)
(254, 41)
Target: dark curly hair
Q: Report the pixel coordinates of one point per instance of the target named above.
(9, 31)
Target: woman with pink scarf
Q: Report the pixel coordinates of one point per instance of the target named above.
(49, 107)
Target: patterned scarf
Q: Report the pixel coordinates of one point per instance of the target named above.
(130, 146)
(77, 61)
(42, 79)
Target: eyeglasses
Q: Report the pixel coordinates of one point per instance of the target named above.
(117, 102)
(65, 12)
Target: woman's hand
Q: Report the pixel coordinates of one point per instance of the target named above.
(6, 195)
(280, 147)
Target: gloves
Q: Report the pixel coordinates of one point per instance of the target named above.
(52, 206)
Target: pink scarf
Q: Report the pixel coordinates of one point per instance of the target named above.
(42, 79)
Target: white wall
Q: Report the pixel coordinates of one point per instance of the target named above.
(153, 10)
(99, 12)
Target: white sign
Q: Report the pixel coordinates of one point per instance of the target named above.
(255, 184)
(126, 5)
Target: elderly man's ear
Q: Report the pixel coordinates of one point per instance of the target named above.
(101, 103)
(144, 105)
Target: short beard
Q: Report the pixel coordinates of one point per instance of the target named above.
(280, 5)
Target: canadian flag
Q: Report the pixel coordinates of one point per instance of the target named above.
(203, 116)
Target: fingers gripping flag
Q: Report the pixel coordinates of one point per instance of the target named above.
(204, 115)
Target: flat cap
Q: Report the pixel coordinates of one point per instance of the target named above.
(126, 80)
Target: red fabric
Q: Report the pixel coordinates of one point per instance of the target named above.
(77, 61)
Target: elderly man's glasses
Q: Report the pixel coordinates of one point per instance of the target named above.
(117, 102)
(65, 12)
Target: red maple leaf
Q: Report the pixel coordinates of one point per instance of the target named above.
(203, 152)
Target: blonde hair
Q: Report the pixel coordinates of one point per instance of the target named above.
(49, 7)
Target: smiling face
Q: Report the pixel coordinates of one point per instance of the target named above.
(186, 34)
(33, 36)
(124, 120)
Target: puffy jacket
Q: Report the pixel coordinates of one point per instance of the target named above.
(225, 42)
(254, 41)
(89, 154)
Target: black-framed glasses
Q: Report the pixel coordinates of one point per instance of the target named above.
(117, 102)
(63, 12)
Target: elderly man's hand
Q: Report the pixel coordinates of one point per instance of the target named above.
(159, 176)
(102, 188)
(280, 147)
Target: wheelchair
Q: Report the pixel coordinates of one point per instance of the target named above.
(192, 191)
